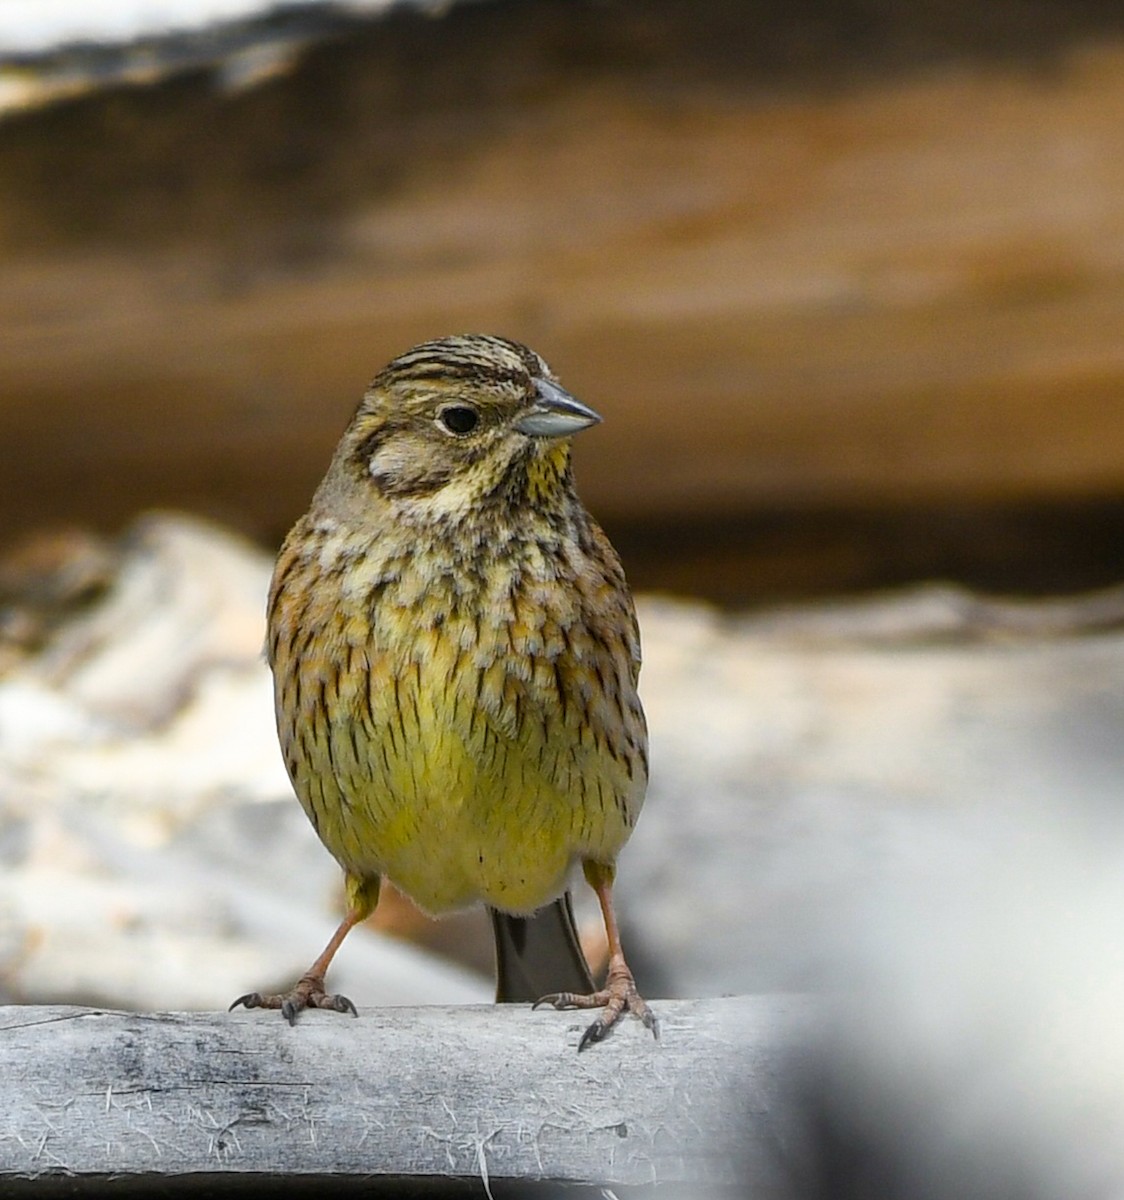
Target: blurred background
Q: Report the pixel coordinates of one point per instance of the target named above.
(846, 281)
(844, 278)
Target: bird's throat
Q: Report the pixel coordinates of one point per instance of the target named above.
(548, 473)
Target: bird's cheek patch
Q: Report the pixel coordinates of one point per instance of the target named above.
(400, 469)
(386, 462)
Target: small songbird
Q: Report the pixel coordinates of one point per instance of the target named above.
(455, 657)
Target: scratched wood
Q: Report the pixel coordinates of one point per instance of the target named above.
(470, 1093)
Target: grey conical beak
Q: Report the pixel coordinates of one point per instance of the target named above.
(555, 414)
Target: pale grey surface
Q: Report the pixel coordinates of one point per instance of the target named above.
(481, 1092)
(977, 1050)
(802, 766)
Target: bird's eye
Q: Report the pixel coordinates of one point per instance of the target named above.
(458, 419)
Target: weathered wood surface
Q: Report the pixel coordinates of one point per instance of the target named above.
(482, 1093)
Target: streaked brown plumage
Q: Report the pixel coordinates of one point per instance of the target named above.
(455, 656)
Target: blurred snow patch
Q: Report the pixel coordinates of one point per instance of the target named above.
(34, 26)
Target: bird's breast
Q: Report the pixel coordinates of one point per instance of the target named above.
(467, 738)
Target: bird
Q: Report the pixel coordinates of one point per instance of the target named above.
(455, 655)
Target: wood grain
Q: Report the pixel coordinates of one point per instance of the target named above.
(796, 265)
(485, 1093)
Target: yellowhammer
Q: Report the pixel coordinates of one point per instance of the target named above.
(455, 657)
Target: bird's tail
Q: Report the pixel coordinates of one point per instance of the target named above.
(539, 955)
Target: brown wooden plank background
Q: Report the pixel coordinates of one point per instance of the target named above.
(847, 284)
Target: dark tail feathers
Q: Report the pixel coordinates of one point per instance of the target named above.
(539, 955)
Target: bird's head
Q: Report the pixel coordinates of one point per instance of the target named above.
(457, 424)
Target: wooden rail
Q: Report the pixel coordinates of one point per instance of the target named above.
(472, 1095)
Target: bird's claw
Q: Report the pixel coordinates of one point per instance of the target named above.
(308, 992)
(618, 996)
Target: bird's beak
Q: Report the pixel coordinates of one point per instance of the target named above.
(555, 414)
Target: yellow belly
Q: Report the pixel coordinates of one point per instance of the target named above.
(458, 779)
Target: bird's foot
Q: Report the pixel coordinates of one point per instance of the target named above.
(618, 996)
(307, 992)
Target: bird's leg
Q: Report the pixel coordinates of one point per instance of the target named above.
(308, 991)
(619, 995)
